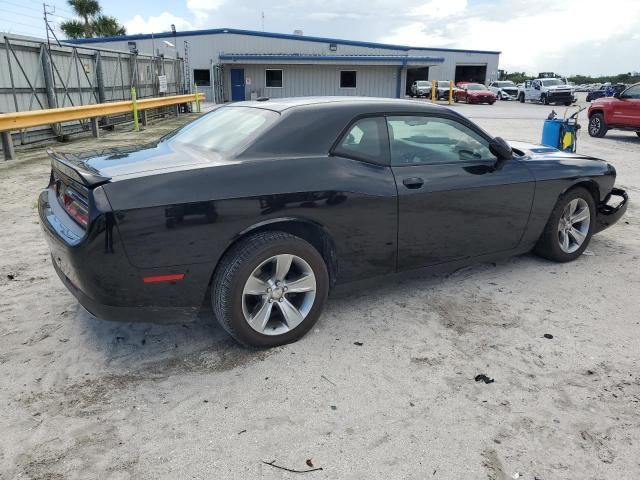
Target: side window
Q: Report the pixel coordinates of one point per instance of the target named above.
(417, 140)
(632, 92)
(365, 140)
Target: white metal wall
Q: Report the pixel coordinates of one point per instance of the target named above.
(308, 80)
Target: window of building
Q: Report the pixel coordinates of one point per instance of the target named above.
(202, 78)
(273, 78)
(348, 78)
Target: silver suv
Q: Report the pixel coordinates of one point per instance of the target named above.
(421, 88)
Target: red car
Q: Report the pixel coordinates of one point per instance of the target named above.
(474, 93)
(620, 112)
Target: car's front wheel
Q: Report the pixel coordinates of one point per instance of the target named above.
(597, 126)
(638, 133)
(569, 228)
(269, 289)
(544, 99)
(521, 98)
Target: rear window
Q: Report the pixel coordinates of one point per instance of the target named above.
(225, 129)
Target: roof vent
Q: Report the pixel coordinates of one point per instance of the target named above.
(298, 32)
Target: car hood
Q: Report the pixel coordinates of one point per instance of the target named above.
(534, 152)
(558, 88)
(159, 157)
(479, 92)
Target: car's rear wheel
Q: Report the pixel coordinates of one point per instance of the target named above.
(597, 126)
(269, 289)
(569, 228)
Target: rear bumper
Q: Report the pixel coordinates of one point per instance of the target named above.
(608, 214)
(96, 270)
(125, 313)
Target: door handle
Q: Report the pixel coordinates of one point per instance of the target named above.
(413, 182)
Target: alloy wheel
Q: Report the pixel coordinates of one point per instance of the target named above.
(594, 125)
(573, 226)
(285, 282)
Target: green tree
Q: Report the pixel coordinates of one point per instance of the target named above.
(91, 22)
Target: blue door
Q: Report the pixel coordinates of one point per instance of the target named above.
(237, 84)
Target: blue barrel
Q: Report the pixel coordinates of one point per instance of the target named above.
(551, 133)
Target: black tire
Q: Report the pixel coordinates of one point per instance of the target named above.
(567, 104)
(467, 99)
(238, 264)
(597, 126)
(544, 99)
(521, 98)
(548, 245)
(638, 133)
(491, 103)
(455, 99)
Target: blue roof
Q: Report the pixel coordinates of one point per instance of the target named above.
(218, 31)
(333, 58)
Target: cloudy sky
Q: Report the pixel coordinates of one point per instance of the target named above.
(565, 36)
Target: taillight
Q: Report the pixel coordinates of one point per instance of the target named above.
(72, 203)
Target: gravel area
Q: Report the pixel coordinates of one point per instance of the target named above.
(383, 386)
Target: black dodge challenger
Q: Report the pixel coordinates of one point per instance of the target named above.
(262, 207)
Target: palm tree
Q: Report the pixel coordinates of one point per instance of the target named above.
(92, 23)
(107, 26)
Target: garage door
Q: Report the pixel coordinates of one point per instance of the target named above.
(471, 73)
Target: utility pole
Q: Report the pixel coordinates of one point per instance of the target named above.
(187, 67)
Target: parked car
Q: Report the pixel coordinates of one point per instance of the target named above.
(442, 89)
(604, 89)
(620, 112)
(504, 89)
(263, 207)
(547, 91)
(421, 88)
(474, 93)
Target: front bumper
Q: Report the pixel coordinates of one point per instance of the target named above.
(608, 214)
(560, 97)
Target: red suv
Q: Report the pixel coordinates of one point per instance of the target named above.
(621, 112)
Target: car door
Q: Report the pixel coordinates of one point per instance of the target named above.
(626, 108)
(452, 202)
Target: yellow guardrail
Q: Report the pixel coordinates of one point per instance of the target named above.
(34, 118)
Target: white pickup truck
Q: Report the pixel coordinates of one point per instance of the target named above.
(547, 91)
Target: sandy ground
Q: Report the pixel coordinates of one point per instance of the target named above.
(83, 398)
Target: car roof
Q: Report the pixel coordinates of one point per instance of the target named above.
(282, 104)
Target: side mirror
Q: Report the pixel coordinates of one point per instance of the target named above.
(501, 149)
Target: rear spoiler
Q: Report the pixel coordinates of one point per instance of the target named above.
(73, 167)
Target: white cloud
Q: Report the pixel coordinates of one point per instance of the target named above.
(548, 37)
(201, 9)
(160, 23)
(440, 9)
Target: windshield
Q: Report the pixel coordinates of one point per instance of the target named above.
(475, 86)
(224, 129)
(551, 82)
(505, 84)
(443, 83)
(422, 83)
